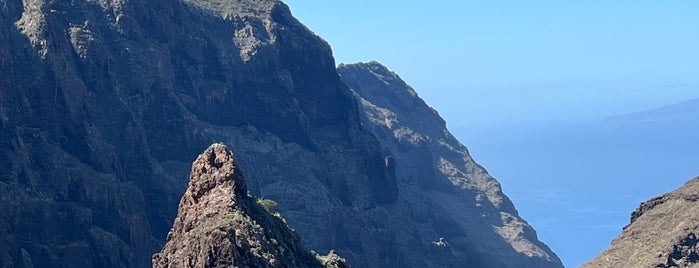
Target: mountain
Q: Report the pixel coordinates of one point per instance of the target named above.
(104, 104)
(662, 233)
(686, 111)
(219, 225)
(446, 194)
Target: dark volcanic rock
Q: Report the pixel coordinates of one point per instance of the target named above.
(219, 225)
(446, 194)
(662, 233)
(104, 104)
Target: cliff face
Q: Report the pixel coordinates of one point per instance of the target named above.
(444, 192)
(663, 233)
(103, 105)
(219, 225)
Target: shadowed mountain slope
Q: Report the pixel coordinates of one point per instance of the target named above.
(104, 104)
(445, 193)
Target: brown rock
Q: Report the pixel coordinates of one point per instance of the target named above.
(219, 225)
(662, 233)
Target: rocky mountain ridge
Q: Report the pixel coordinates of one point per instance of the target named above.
(450, 198)
(104, 104)
(662, 233)
(219, 225)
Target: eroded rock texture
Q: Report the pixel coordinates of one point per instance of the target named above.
(219, 225)
(662, 233)
(104, 104)
(446, 195)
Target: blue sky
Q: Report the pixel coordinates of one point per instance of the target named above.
(522, 60)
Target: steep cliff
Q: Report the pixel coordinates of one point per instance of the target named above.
(663, 232)
(104, 104)
(444, 192)
(219, 225)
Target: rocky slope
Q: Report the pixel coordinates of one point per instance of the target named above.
(444, 192)
(103, 105)
(219, 225)
(663, 233)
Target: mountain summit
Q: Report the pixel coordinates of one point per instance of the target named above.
(219, 225)
(449, 198)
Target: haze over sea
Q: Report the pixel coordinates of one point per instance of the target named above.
(578, 182)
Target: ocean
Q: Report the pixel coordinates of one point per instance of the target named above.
(577, 182)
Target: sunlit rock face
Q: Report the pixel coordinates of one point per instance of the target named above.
(662, 233)
(219, 225)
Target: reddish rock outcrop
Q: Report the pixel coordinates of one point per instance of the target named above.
(219, 225)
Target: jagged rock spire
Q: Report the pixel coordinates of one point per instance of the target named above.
(219, 225)
(215, 171)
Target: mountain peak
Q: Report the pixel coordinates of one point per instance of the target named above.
(369, 64)
(438, 174)
(375, 79)
(219, 225)
(215, 168)
(377, 69)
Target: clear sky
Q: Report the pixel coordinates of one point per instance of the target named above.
(522, 60)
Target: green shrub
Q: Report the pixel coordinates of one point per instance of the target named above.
(268, 204)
